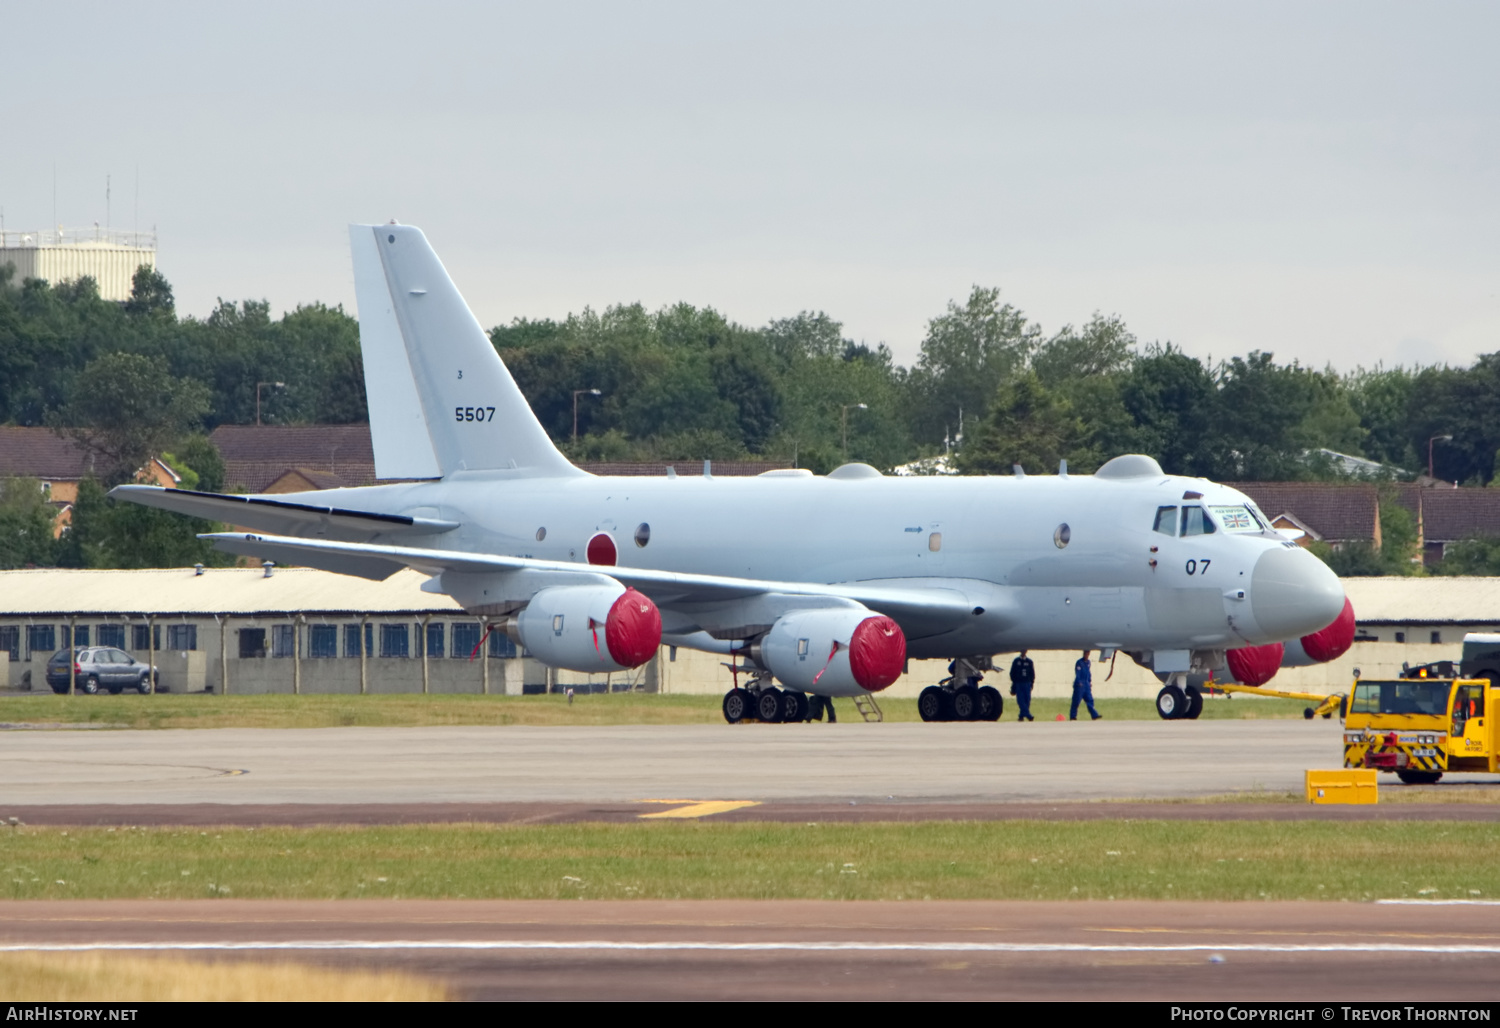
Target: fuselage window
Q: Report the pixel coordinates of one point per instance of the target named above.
(1195, 521)
(1166, 520)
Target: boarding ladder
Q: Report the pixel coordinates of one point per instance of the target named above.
(867, 707)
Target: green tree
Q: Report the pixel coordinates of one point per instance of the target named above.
(125, 408)
(1028, 425)
(966, 355)
(151, 295)
(1478, 555)
(26, 521)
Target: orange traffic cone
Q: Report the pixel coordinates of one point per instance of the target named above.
(1060, 718)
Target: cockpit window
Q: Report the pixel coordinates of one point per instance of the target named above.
(1237, 519)
(1166, 520)
(1195, 521)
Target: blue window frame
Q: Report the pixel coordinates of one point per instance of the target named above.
(322, 640)
(466, 635)
(395, 641)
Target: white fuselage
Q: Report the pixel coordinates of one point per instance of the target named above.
(1117, 583)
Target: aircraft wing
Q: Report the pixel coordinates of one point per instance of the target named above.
(279, 516)
(940, 606)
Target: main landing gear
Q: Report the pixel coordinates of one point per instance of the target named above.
(960, 697)
(1179, 701)
(760, 700)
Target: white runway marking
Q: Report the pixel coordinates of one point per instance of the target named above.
(521, 945)
(1440, 903)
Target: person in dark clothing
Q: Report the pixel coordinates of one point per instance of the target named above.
(1083, 687)
(816, 707)
(1022, 678)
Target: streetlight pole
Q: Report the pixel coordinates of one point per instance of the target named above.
(278, 385)
(844, 423)
(577, 393)
(1436, 438)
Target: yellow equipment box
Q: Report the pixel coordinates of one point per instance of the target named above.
(1345, 786)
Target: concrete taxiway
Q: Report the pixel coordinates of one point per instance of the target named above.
(782, 950)
(965, 763)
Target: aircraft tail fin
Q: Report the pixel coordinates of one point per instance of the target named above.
(440, 398)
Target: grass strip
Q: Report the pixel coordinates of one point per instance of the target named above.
(1122, 859)
(125, 978)
(200, 710)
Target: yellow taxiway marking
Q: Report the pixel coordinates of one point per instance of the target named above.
(699, 808)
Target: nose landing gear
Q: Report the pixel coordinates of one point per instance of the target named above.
(1179, 701)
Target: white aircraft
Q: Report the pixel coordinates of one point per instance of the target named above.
(823, 584)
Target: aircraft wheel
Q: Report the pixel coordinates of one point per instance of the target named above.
(795, 706)
(769, 706)
(1194, 703)
(1307, 713)
(932, 704)
(1171, 702)
(991, 703)
(1419, 777)
(736, 706)
(965, 703)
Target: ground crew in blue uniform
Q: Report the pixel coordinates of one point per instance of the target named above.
(1022, 678)
(1083, 687)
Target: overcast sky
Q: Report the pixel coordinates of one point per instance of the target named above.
(1315, 179)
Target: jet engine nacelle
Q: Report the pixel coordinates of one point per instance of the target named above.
(590, 628)
(839, 652)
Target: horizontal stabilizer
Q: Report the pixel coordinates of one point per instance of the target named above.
(280, 516)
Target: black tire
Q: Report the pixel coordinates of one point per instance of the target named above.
(89, 686)
(1308, 713)
(1194, 703)
(769, 706)
(1171, 703)
(932, 704)
(991, 703)
(1419, 777)
(736, 706)
(794, 706)
(147, 685)
(965, 703)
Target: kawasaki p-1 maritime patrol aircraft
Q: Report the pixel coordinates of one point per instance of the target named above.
(821, 584)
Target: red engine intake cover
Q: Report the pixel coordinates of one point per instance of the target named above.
(632, 631)
(1334, 641)
(1255, 665)
(877, 652)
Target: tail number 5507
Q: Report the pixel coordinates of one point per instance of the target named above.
(473, 414)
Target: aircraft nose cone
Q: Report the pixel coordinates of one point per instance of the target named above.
(1293, 593)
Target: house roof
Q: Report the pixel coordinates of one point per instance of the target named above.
(41, 453)
(1452, 514)
(257, 455)
(1337, 511)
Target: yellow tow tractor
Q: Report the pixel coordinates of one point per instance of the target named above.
(1420, 726)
